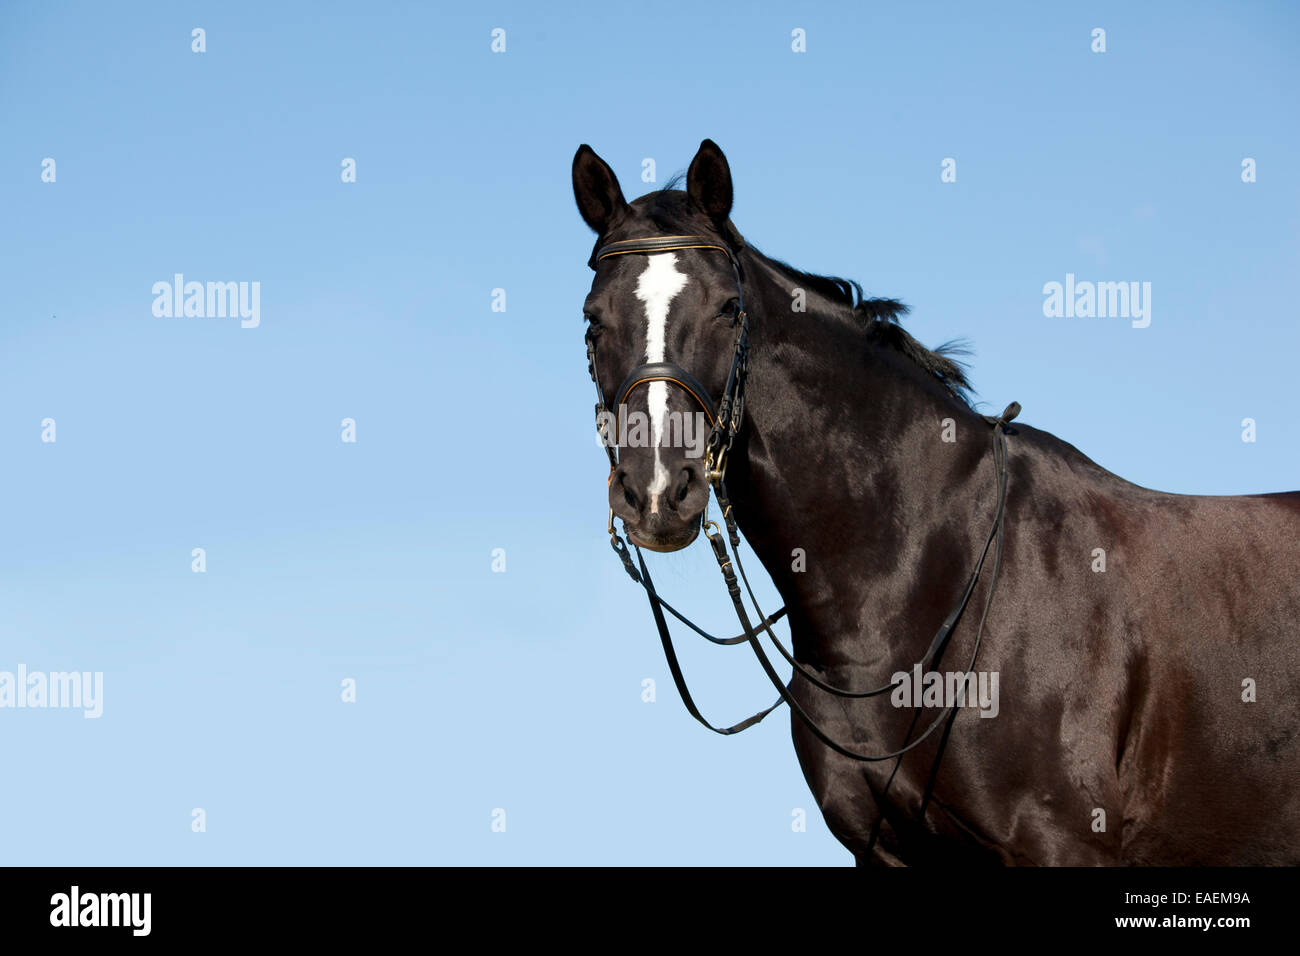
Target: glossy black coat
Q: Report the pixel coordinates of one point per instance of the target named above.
(1120, 691)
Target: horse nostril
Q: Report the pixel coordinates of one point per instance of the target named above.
(630, 506)
(684, 486)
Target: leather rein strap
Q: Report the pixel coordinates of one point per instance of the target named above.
(726, 420)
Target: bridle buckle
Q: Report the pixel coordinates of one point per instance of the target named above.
(715, 471)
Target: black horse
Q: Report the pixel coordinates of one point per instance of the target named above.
(1141, 660)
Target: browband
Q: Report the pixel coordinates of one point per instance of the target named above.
(624, 247)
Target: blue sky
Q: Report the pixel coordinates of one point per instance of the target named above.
(373, 560)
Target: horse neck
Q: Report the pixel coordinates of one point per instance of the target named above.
(844, 469)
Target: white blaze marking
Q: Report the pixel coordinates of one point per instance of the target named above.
(657, 288)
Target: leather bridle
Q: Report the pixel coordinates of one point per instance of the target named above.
(725, 420)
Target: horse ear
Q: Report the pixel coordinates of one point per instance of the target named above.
(596, 189)
(709, 181)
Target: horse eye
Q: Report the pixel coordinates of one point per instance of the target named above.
(730, 310)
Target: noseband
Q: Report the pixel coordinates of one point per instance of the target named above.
(725, 424)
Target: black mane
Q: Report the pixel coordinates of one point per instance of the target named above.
(670, 209)
(880, 321)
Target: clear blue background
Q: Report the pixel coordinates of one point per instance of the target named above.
(372, 561)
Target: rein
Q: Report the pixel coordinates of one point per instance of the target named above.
(726, 422)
